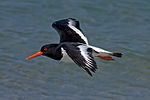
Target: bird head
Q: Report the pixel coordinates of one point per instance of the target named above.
(46, 50)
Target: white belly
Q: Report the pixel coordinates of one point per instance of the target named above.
(65, 57)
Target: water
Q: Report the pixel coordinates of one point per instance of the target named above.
(121, 26)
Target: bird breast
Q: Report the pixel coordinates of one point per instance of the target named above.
(65, 57)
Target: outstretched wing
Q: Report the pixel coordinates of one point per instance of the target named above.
(69, 31)
(81, 54)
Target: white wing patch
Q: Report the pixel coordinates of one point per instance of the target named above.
(77, 31)
(84, 53)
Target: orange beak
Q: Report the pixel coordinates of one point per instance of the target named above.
(35, 55)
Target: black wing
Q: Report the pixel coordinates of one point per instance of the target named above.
(82, 56)
(69, 31)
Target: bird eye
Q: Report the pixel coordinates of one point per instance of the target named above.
(45, 49)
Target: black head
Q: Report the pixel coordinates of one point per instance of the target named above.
(52, 50)
(64, 23)
(49, 50)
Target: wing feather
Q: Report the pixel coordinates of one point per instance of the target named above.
(69, 31)
(82, 56)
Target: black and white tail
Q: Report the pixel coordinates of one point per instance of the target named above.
(103, 54)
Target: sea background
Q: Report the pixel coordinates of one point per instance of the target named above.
(115, 25)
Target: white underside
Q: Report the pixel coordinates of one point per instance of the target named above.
(65, 57)
(101, 52)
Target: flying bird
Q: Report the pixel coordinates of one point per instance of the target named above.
(74, 47)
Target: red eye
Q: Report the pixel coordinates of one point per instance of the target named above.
(45, 49)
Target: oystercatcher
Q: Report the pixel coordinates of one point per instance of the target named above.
(73, 46)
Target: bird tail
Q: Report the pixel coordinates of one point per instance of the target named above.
(108, 57)
(117, 54)
(104, 54)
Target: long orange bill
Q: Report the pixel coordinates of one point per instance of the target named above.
(35, 55)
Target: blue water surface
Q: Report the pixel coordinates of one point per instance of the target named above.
(116, 25)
